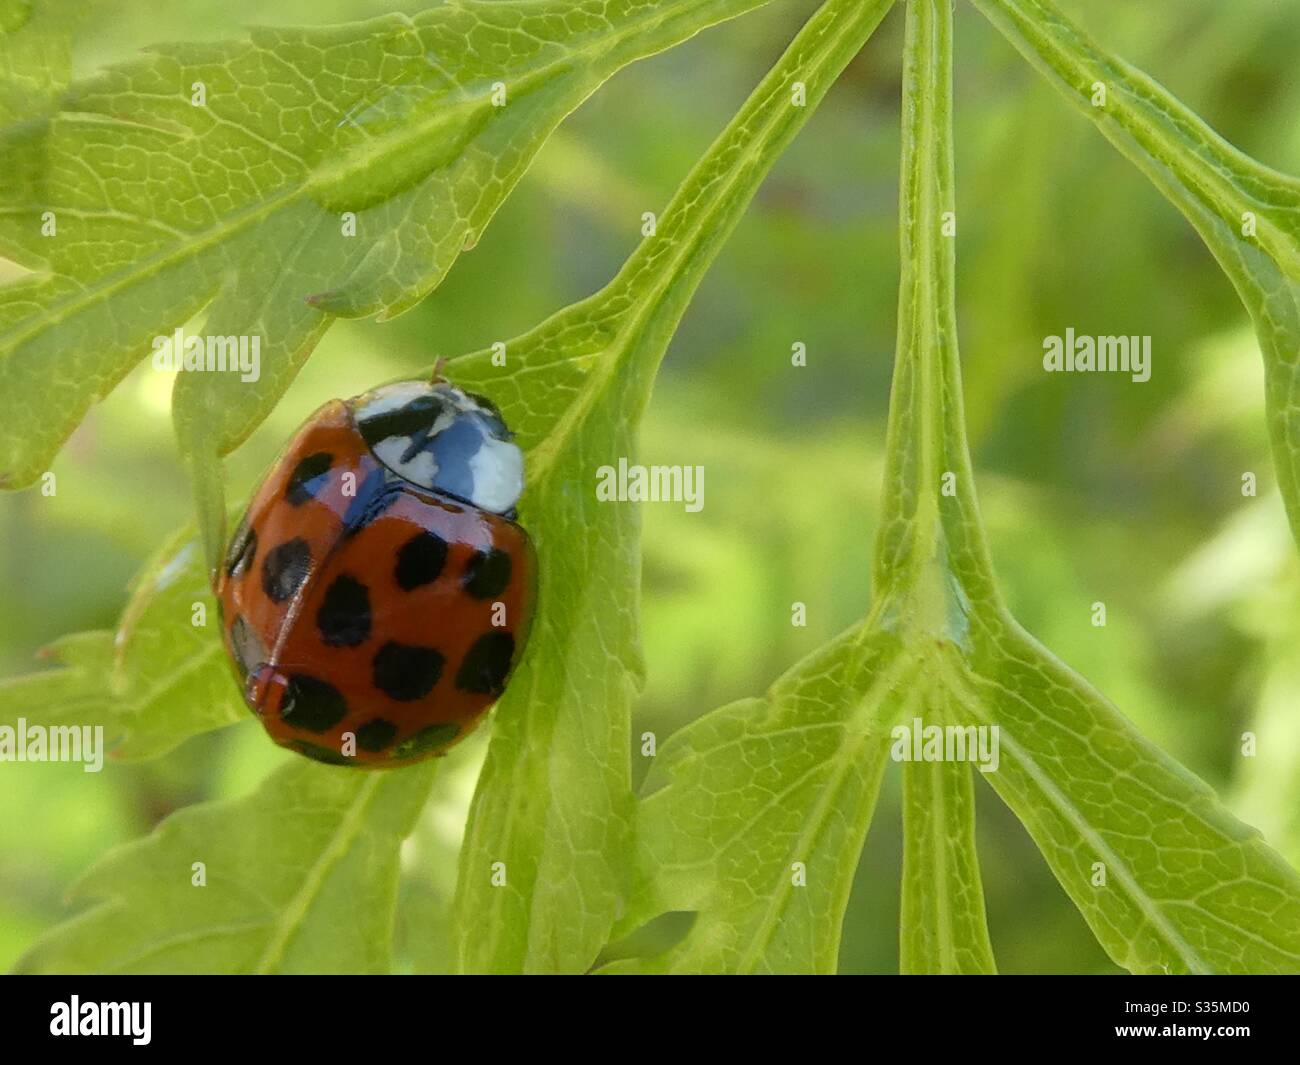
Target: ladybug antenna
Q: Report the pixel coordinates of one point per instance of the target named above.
(438, 368)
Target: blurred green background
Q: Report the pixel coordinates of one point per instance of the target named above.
(1094, 488)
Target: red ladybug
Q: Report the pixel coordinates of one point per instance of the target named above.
(378, 592)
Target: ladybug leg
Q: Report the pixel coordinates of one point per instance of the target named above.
(264, 690)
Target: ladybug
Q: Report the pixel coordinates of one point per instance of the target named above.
(378, 592)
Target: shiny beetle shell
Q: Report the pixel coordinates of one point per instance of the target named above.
(378, 592)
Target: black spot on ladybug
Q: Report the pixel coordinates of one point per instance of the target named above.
(243, 546)
(285, 568)
(312, 704)
(376, 735)
(407, 420)
(420, 560)
(486, 574)
(491, 415)
(487, 664)
(318, 753)
(373, 497)
(427, 739)
(404, 672)
(484, 402)
(308, 478)
(344, 616)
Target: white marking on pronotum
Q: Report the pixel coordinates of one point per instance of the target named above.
(498, 471)
(419, 469)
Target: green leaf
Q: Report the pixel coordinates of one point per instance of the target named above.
(168, 205)
(156, 681)
(1167, 879)
(932, 566)
(171, 676)
(300, 876)
(794, 777)
(553, 811)
(758, 811)
(70, 693)
(1186, 887)
(1268, 787)
(942, 928)
(1247, 214)
(35, 54)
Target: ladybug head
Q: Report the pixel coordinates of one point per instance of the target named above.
(444, 440)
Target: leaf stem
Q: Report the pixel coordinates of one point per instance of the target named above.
(931, 559)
